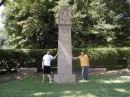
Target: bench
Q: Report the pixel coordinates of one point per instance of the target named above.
(97, 70)
(26, 70)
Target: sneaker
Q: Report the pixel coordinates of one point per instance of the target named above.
(50, 81)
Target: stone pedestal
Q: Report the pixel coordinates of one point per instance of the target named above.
(64, 78)
(64, 48)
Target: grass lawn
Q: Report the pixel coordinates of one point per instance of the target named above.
(96, 86)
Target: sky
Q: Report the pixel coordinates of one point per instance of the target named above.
(1, 9)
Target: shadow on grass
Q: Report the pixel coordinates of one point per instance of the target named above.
(96, 86)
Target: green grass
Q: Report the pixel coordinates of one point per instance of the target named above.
(96, 86)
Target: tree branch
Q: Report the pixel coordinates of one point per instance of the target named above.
(2, 2)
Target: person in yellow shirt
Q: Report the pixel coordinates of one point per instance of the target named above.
(84, 62)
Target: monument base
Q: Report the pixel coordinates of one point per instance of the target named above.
(64, 78)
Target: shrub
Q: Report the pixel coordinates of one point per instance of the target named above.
(110, 58)
(14, 58)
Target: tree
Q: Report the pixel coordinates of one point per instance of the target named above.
(95, 23)
(98, 22)
(2, 37)
(2, 2)
(122, 34)
(31, 24)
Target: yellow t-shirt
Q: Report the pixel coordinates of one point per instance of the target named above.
(84, 60)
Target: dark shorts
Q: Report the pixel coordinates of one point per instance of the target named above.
(47, 70)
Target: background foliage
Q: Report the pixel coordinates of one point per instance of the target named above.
(110, 58)
(95, 23)
(30, 24)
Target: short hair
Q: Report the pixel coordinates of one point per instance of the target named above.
(83, 51)
(48, 50)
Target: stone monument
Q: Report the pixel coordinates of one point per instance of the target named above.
(64, 48)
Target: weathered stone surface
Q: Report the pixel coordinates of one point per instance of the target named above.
(65, 78)
(26, 70)
(65, 29)
(64, 15)
(97, 69)
(64, 48)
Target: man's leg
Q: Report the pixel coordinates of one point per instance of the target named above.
(85, 73)
(43, 77)
(49, 76)
(49, 73)
(44, 74)
(82, 73)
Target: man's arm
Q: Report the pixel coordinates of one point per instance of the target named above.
(87, 59)
(55, 56)
(74, 58)
(43, 64)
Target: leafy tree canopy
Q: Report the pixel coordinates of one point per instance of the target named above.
(30, 24)
(95, 23)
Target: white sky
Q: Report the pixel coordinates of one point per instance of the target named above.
(1, 9)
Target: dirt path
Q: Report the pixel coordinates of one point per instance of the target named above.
(11, 77)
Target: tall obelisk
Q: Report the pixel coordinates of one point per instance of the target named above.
(64, 48)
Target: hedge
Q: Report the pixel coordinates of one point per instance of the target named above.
(110, 58)
(11, 59)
